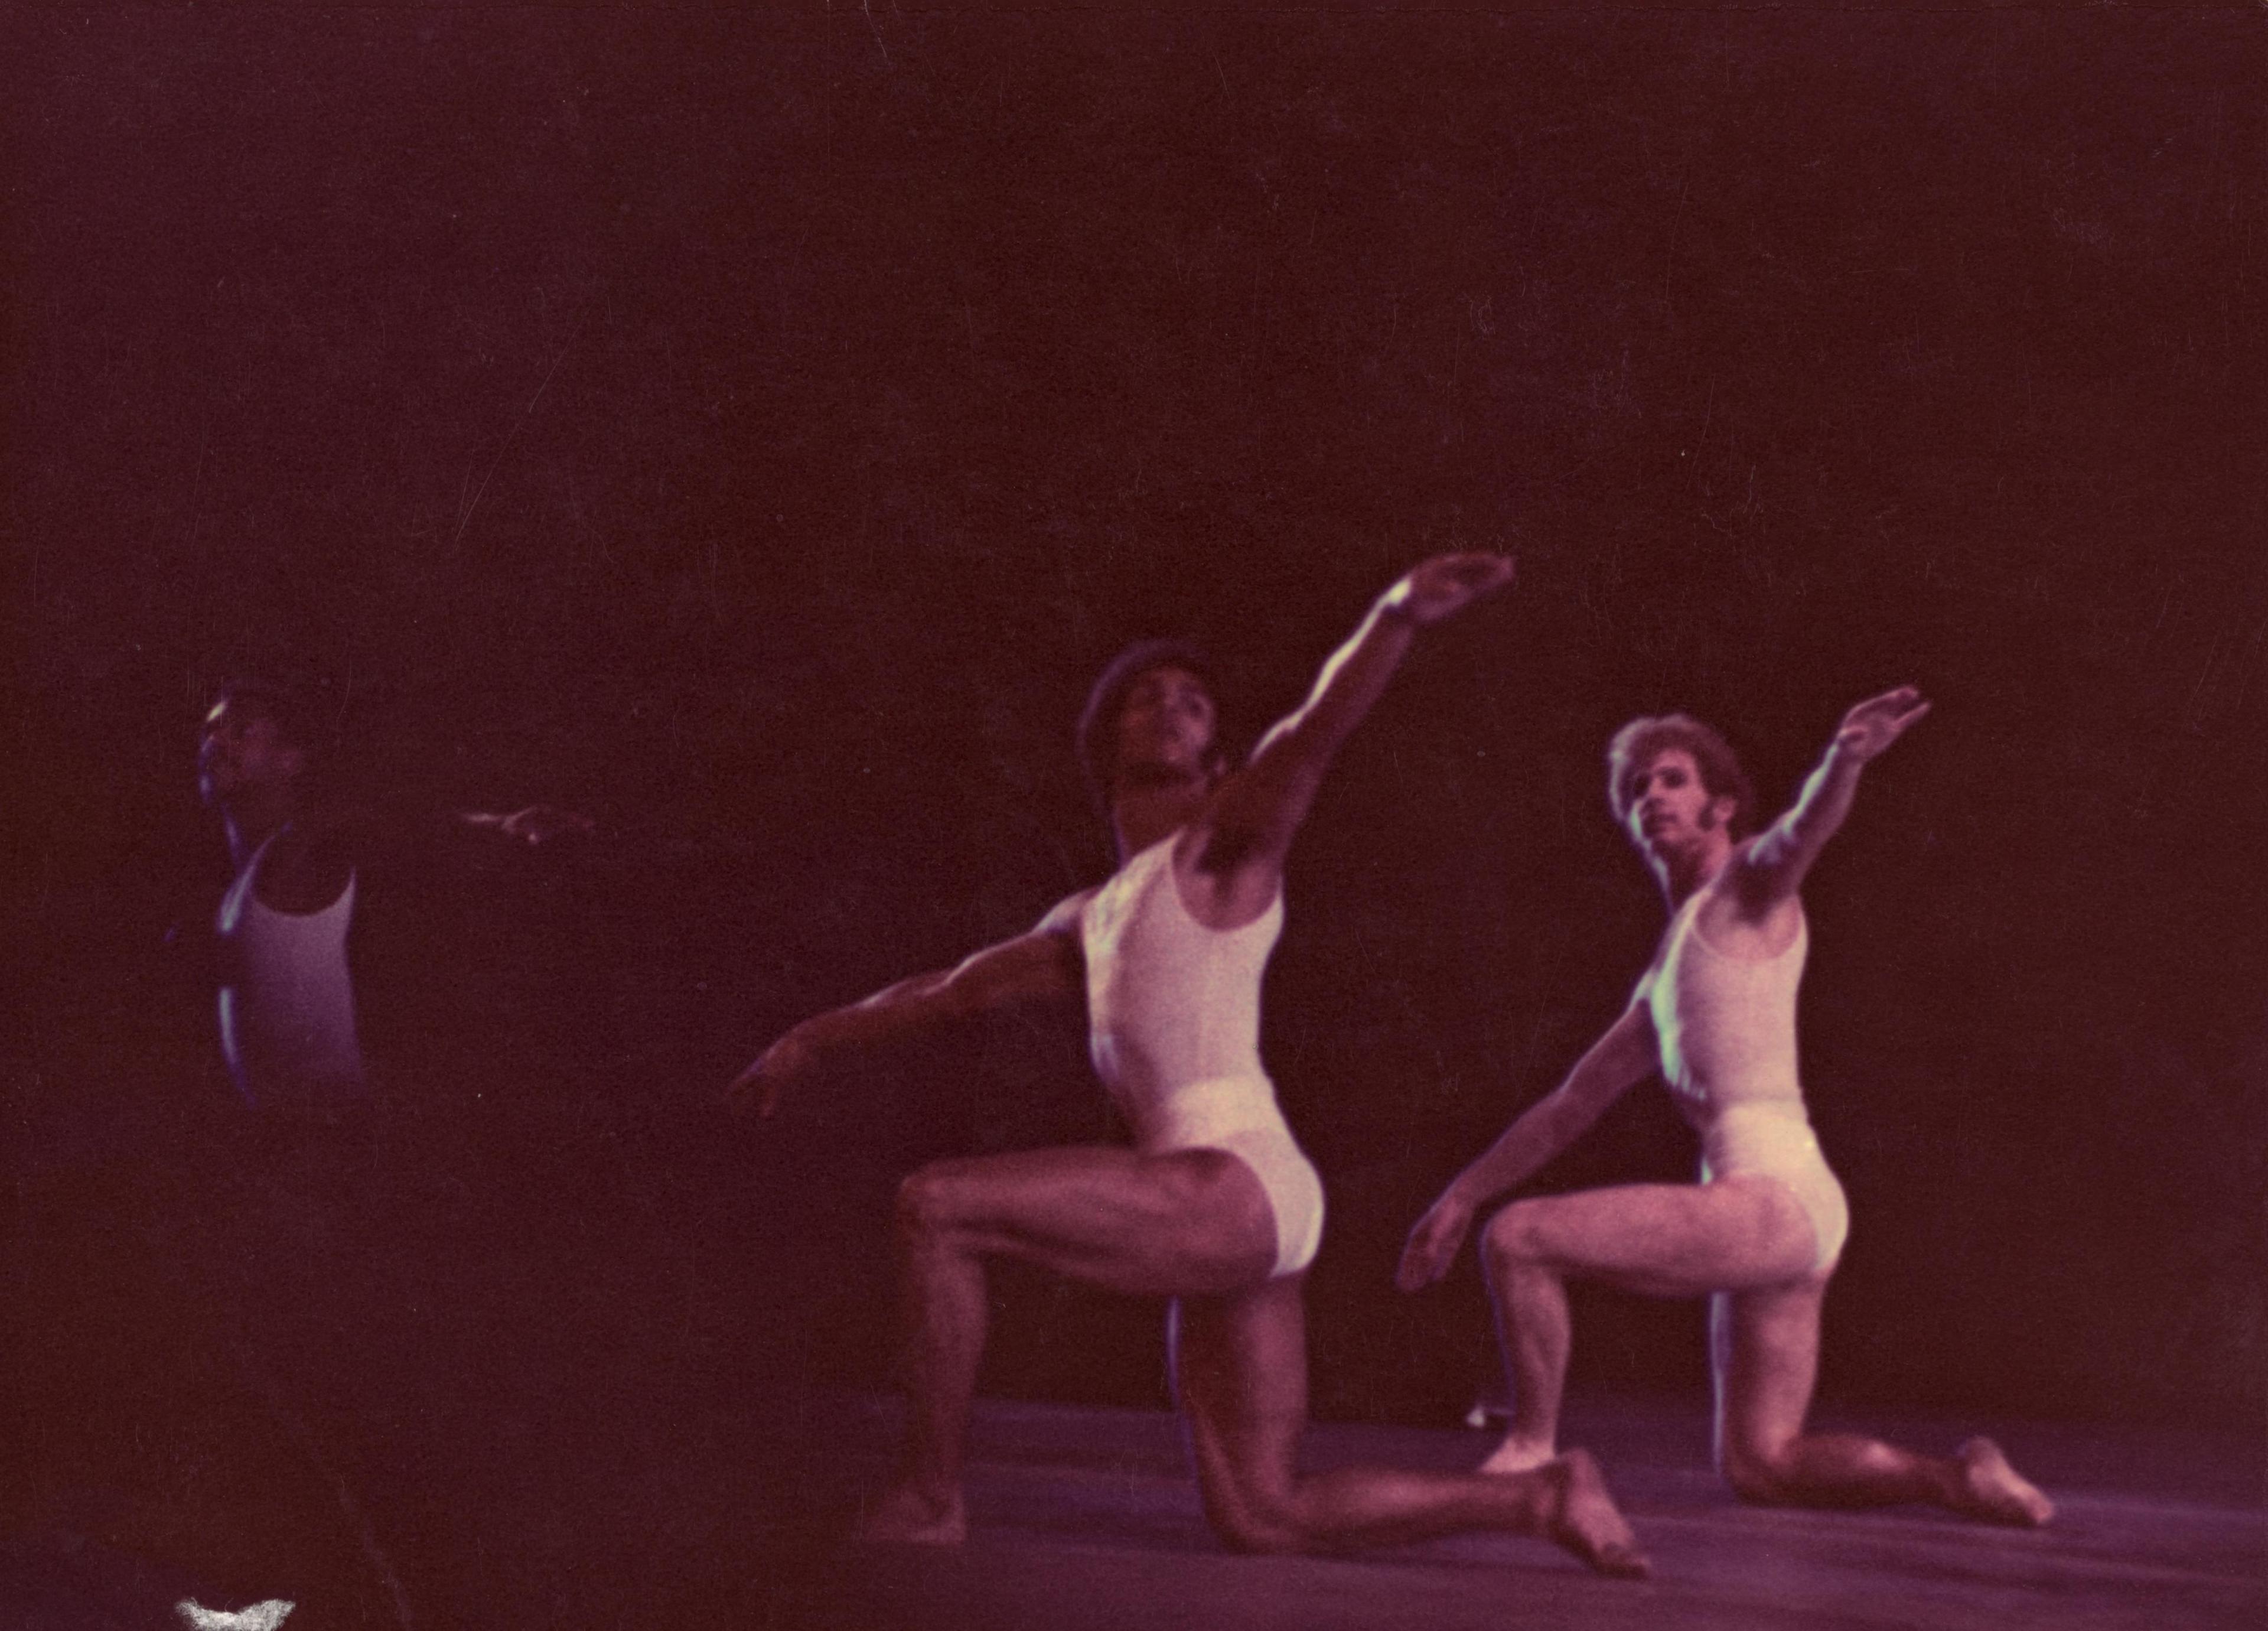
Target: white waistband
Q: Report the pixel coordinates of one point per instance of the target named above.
(1204, 1113)
(1757, 1133)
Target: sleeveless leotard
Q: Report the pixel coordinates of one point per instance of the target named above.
(287, 1015)
(1727, 1031)
(1173, 1013)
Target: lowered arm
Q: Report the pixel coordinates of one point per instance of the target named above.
(1617, 1061)
(1043, 965)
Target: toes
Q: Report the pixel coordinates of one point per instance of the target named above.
(1624, 1563)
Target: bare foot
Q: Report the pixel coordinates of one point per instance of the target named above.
(904, 1515)
(1996, 1491)
(1517, 1455)
(1588, 1523)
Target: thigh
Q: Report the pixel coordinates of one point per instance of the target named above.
(1764, 1353)
(1671, 1240)
(1191, 1221)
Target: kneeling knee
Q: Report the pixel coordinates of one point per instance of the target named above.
(1259, 1538)
(1253, 1525)
(1753, 1475)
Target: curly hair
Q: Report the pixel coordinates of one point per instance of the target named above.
(1635, 745)
(1097, 737)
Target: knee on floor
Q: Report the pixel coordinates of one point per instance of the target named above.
(1755, 1474)
(1253, 1523)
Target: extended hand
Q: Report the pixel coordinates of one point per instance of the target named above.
(758, 1088)
(1877, 722)
(1447, 584)
(1434, 1244)
(539, 823)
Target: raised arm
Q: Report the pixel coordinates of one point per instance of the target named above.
(1042, 966)
(1771, 870)
(1249, 824)
(1615, 1063)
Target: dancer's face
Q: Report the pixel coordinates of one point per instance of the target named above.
(1670, 807)
(239, 748)
(1166, 723)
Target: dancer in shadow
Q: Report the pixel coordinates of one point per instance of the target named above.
(339, 1201)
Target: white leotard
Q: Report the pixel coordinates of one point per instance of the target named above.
(1727, 1026)
(287, 1015)
(1174, 1015)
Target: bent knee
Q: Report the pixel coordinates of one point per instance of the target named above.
(1251, 1519)
(1756, 1475)
(1515, 1237)
(1260, 1529)
(928, 1203)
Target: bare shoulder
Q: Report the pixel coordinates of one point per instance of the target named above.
(1054, 952)
(305, 870)
(1224, 883)
(1741, 913)
(1063, 917)
(1632, 1036)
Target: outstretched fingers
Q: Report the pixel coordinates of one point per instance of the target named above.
(752, 1093)
(1477, 571)
(1875, 724)
(1447, 584)
(1434, 1245)
(1903, 706)
(540, 823)
(757, 1089)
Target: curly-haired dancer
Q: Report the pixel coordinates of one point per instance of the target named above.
(1759, 1234)
(1215, 1206)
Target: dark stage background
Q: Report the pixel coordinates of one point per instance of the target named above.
(756, 429)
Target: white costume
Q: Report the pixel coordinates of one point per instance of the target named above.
(1174, 1016)
(1728, 1030)
(287, 1013)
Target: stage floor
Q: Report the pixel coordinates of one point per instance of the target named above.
(1085, 1518)
(732, 1513)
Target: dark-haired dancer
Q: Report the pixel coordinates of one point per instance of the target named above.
(302, 1245)
(1761, 1232)
(288, 1020)
(1215, 1208)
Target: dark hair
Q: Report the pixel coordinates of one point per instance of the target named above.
(1097, 722)
(298, 714)
(1635, 744)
